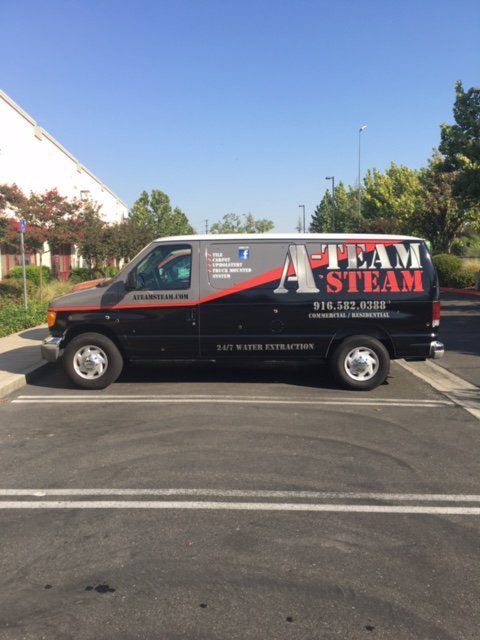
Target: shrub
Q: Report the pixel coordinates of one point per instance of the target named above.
(467, 246)
(452, 273)
(13, 317)
(12, 289)
(473, 247)
(54, 289)
(459, 246)
(110, 271)
(79, 274)
(32, 273)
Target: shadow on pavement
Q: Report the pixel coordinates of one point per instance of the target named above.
(34, 334)
(314, 376)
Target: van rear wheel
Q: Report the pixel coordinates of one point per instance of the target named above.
(92, 361)
(360, 362)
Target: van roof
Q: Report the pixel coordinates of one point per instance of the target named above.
(240, 237)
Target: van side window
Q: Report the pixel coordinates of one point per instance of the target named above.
(166, 268)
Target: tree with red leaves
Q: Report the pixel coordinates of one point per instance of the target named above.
(49, 217)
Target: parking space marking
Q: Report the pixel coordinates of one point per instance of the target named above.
(249, 493)
(241, 506)
(210, 396)
(460, 391)
(226, 399)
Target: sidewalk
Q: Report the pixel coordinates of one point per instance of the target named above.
(20, 356)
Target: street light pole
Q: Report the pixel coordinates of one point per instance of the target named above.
(332, 178)
(359, 168)
(302, 206)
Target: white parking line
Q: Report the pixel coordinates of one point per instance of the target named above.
(224, 399)
(249, 493)
(240, 506)
(460, 391)
(210, 396)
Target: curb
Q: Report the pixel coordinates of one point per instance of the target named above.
(16, 381)
(26, 367)
(462, 292)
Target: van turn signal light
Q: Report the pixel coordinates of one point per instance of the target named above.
(50, 318)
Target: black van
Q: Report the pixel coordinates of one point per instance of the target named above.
(356, 301)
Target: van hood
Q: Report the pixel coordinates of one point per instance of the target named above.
(93, 297)
(88, 284)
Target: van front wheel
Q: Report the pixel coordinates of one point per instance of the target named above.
(92, 361)
(360, 362)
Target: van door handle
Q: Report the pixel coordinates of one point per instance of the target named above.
(192, 316)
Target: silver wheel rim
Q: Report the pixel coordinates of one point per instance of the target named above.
(90, 362)
(361, 364)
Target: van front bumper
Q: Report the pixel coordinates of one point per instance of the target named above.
(437, 349)
(50, 348)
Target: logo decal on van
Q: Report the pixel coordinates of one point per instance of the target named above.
(243, 253)
(354, 268)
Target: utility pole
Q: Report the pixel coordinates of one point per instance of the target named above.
(302, 206)
(206, 226)
(362, 128)
(332, 178)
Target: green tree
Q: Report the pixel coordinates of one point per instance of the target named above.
(126, 239)
(323, 215)
(233, 223)
(441, 217)
(347, 219)
(155, 211)
(92, 236)
(460, 147)
(391, 198)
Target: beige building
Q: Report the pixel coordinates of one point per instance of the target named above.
(32, 158)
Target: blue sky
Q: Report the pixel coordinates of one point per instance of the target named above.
(238, 106)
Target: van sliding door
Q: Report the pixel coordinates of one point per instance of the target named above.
(254, 303)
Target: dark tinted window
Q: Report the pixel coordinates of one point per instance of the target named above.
(166, 268)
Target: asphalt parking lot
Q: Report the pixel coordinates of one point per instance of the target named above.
(209, 502)
(461, 334)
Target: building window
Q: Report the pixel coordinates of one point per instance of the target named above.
(84, 195)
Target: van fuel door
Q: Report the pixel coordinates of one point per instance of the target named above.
(277, 325)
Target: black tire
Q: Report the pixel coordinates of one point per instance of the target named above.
(112, 368)
(340, 368)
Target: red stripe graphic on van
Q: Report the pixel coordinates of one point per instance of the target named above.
(268, 276)
(264, 278)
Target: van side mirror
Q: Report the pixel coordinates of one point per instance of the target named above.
(131, 281)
